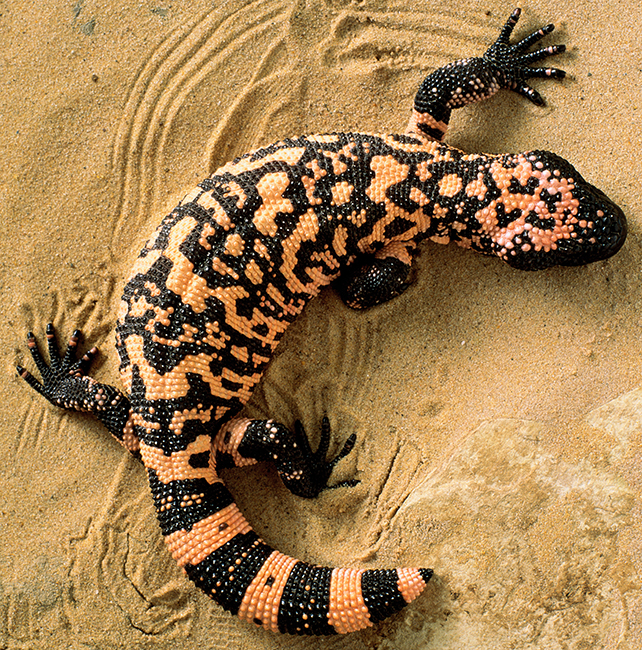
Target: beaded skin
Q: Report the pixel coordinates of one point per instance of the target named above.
(228, 270)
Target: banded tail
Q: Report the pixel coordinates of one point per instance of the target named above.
(211, 539)
(233, 566)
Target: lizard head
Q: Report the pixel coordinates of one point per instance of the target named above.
(552, 216)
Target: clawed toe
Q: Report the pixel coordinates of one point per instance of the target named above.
(329, 465)
(68, 363)
(513, 61)
(321, 469)
(56, 374)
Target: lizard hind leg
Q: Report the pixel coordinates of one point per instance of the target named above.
(304, 472)
(65, 384)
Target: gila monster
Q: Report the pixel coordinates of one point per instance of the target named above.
(229, 269)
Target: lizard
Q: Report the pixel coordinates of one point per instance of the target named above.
(233, 265)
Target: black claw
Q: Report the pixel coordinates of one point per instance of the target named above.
(347, 448)
(320, 468)
(329, 465)
(23, 373)
(538, 55)
(59, 374)
(35, 353)
(52, 344)
(324, 441)
(512, 61)
(70, 352)
(552, 73)
(531, 94)
(533, 38)
(83, 364)
(30, 379)
(507, 29)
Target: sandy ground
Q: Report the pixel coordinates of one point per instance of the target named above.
(498, 413)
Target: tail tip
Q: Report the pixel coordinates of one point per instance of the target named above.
(426, 574)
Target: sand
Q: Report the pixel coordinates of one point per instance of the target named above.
(498, 413)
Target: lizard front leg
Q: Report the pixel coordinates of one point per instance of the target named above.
(377, 278)
(503, 66)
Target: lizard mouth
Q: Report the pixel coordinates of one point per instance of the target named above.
(609, 226)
